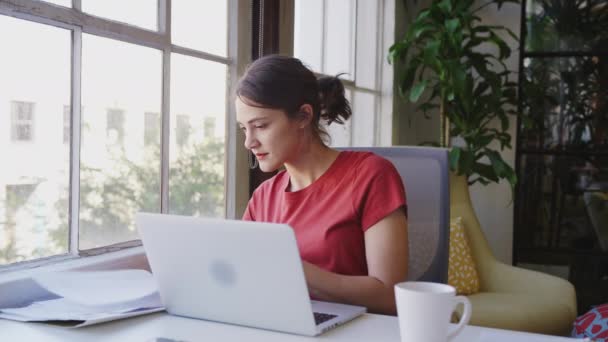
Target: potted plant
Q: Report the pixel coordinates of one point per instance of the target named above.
(445, 71)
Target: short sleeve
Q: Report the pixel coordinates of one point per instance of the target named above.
(248, 214)
(378, 191)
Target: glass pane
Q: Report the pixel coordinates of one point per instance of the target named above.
(567, 25)
(65, 3)
(563, 202)
(120, 174)
(142, 13)
(197, 147)
(339, 38)
(363, 123)
(308, 38)
(340, 134)
(566, 100)
(200, 25)
(367, 30)
(34, 177)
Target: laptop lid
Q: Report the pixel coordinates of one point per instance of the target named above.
(245, 273)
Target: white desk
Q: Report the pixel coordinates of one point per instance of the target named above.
(140, 329)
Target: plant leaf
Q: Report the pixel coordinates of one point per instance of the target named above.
(417, 91)
(452, 24)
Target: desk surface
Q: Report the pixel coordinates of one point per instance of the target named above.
(368, 327)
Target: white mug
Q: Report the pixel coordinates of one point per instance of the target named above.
(425, 309)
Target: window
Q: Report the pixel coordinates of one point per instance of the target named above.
(115, 127)
(22, 115)
(66, 124)
(349, 39)
(34, 178)
(119, 62)
(151, 129)
(209, 128)
(182, 130)
(17, 195)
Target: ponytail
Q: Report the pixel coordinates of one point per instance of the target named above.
(334, 105)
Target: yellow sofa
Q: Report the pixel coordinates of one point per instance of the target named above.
(511, 297)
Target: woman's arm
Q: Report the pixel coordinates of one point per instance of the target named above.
(386, 250)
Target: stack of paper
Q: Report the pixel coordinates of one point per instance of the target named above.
(85, 298)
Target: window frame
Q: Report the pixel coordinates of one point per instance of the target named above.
(78, 22)
(383, 82)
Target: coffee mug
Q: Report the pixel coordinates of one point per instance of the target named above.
(424, 311)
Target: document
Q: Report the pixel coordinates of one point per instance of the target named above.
(85, 298)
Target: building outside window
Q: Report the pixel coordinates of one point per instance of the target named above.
(111, 60)
(182, 130)
(22, 117)
(151, 129)
(209, 128)
(115, 127)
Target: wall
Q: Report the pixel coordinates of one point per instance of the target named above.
(492, 203)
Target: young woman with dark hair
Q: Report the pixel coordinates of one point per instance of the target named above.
(348, 209)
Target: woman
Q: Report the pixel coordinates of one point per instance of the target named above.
(347, 209)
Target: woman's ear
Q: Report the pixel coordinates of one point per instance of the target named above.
(306, 115)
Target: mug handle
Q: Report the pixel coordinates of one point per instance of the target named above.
(466, 315)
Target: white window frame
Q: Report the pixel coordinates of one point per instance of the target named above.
(78, 22)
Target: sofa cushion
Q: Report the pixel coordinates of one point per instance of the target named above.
(462, 272)
(521, 312)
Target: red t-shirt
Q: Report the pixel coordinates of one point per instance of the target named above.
(330, 215)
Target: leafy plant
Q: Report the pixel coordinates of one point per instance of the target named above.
(445, 70)
(562, 25)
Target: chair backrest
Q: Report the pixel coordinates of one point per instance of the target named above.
(424, 171)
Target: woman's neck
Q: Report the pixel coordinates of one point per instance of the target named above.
(311, 164)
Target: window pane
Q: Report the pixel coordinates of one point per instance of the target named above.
(34, 176)
(22, 121)
(198, 111)
(339, 39)
(152, 129)
(566, 26)
(363, 119)
(66, 123)
(340, 134)
(308, 37)
(65, 3)
(200, 25)
(368, 26)
(565, 97)
(142, 13)
(119, 174)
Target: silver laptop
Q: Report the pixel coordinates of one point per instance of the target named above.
(239, 272)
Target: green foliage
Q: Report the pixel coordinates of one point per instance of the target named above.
(566, 92)
(567, 25)
(445, 68)
(109, 201)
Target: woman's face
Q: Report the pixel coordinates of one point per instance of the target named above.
(269, 134)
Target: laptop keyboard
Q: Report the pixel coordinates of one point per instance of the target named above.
(322, 317)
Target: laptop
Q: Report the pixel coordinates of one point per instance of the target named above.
(239, 272)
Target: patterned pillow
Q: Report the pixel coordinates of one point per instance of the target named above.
(462, 273)
(593, 324)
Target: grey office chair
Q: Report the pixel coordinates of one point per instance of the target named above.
(424, 171)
